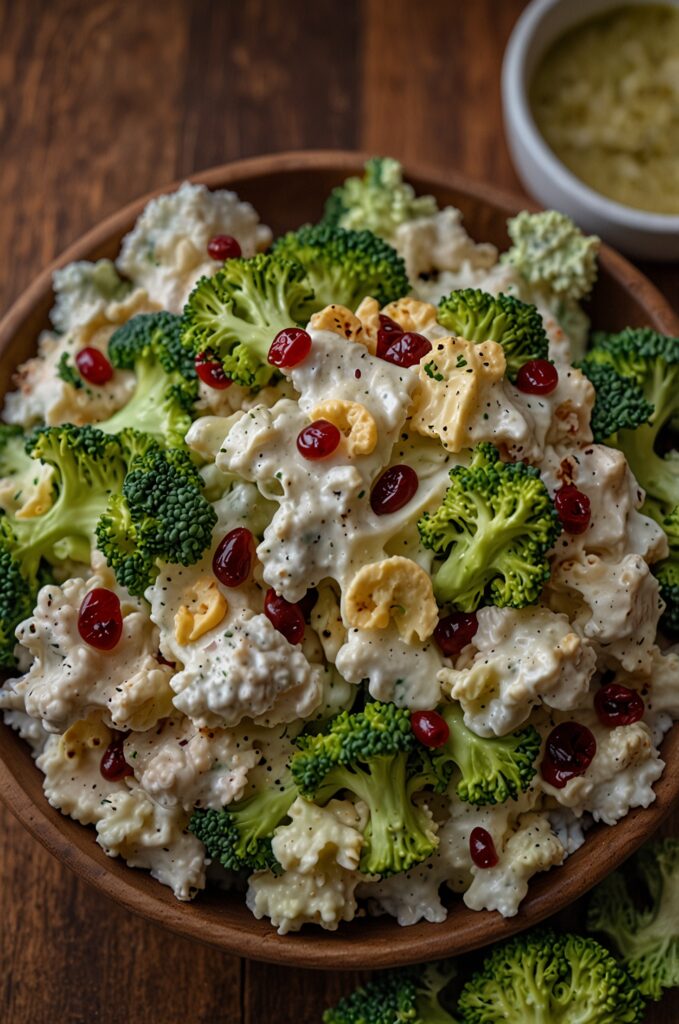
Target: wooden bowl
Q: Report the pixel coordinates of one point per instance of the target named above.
(288, 190)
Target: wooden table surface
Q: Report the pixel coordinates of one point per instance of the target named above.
(101, 100)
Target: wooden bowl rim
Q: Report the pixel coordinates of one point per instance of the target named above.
(368, 943)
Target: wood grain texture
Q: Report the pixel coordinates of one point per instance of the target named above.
(101, 100)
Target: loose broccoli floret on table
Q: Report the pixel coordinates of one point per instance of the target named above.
(494, 528)
(346, 266)
(374, 755)
(491, 770)
(620, 403)
(379, 201)
(236, 314)
(553, 254)
(410, 994)
(651, 361)
(477, 316)
(644, 931)
(160, 515)
(541, 977)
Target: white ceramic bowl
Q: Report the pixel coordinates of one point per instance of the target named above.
(637, 232)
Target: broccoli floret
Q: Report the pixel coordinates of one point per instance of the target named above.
(239, 835)
(67, 372)
(88, 466)
(379, 201)
(346, 266)
(541, 977)
(411, 994)
(477, 316)
(374, 755)
(494, 529)
(552, 253)
(645, 930)
(491, 770)
(620, 403)
(651, 361)
(236, 314)
(667, 570)
(166, 389)
(161, 515)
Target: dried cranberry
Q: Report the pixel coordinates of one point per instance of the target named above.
(387, 333)
(232, 561)
(308, 602)
(482, 848)
(223, 247)
(93, 366)
(573, 508)
(286, 617)
(289, 348)
(569, 751)
(537, 377)
(319, 440)
(618, 705)
(100, 619)
(455, 631)
(430, 728)
(407, 350)
(113, 765)
(393, 490)
(211, 371)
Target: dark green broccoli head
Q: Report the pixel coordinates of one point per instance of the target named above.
(380, 201)
(374, 755)
(641, 918)
(166, 388)
(651, 361)
(541, 977)
(346, 266)
(478, 316)
(236, 314)
(412, 994)
(161, 515)
(239, 835)
(620, 403)
(494, 529)
(491, 770)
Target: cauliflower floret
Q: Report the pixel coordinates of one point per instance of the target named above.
(43, 396)
(319, 851)
(68, 678)
(440, 242)
(146, 835)
(82, 290)
(178, 764)
(523, 657)
(30, 730)
(616, 526)
(620, 776)
(166, 251)
(563, 416)
(396, 671)
(533, 847)
(662, 690)
(615, 606)
(326, 619)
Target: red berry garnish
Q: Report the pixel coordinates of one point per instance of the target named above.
(482, 848)
(286, 617)
(537, 377)
(573, 508)
(319, 440)
(223, 247)
(308, 602)
(113, 765)
(430, 728)
(93, 366)
(569, 751)
(407, 350)
(618, 705)
(211, 371)
(100, 620)
(289, 348)
(393, 490)
(454, 632)
(387, 333)
(232, 561)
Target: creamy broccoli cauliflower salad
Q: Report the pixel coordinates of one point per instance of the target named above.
(333, 566)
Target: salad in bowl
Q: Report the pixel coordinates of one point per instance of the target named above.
(341, 568)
